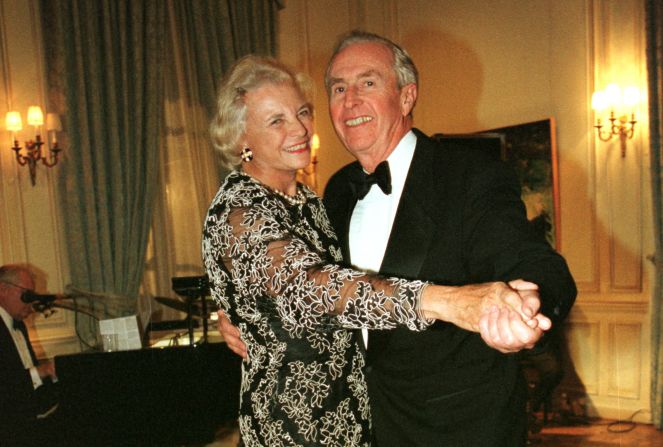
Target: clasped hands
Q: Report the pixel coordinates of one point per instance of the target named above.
(511, 330)
(506, 315)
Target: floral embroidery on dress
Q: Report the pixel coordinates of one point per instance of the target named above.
(273, 269)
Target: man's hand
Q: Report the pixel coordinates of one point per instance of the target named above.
(231, 336)
(465, 305)
(506, 315)
(519, 326)
(531, 304)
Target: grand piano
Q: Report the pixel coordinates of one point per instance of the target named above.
(149, 397)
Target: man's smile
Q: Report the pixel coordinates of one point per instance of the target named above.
(357, 121)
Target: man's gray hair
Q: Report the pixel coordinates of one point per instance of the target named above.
(9, 273)
(406, 71)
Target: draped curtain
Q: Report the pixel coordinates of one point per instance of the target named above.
(135, 82)
(205, 38)
(654, 17)
(101, 58)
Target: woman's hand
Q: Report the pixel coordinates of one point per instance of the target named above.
(231, 336)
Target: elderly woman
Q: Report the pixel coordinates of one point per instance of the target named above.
(273, 262)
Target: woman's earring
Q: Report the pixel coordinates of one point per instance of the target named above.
(246, 154)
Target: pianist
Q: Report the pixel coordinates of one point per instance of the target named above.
(27, 391)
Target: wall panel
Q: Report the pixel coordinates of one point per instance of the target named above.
(584, 345)
(624, 360)
(609, 348)
(619, 57)
(571, 66)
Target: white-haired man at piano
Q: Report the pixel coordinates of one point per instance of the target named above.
(27, 393)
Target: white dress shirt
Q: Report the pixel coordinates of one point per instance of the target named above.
(373, 216)
(22, 347)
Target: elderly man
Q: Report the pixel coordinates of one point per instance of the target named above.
(416, 208)
(25, 383)
(452, 216)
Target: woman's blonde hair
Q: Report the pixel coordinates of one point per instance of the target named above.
(247, 74)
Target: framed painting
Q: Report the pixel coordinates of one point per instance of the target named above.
(530, 148)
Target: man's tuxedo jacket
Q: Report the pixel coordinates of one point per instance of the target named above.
(16, 387)
(460, 220)
(20, 402)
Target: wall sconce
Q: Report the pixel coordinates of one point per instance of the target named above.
(33, 148)
(618, 102)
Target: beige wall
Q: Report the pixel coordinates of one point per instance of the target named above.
(484, 64)
(487, 64)
(29, 221)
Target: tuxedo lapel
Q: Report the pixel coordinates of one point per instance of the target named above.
(340, 201)
(10, 351)
(24, 330)
(344, 233)
(6, 335)
(413, 228)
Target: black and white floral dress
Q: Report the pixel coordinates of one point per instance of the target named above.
(273, 268)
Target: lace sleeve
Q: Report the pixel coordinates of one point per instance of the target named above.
(264, 259)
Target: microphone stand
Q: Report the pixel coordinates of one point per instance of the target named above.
(203, 302)
(75, 309)
(192, 288)
(191, 298)
(189, 318)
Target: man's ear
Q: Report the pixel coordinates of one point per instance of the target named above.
(408, 98)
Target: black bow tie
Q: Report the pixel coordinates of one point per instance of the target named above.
(16, 324)
(362, 182)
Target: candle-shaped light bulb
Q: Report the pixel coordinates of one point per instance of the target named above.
(315, 145)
